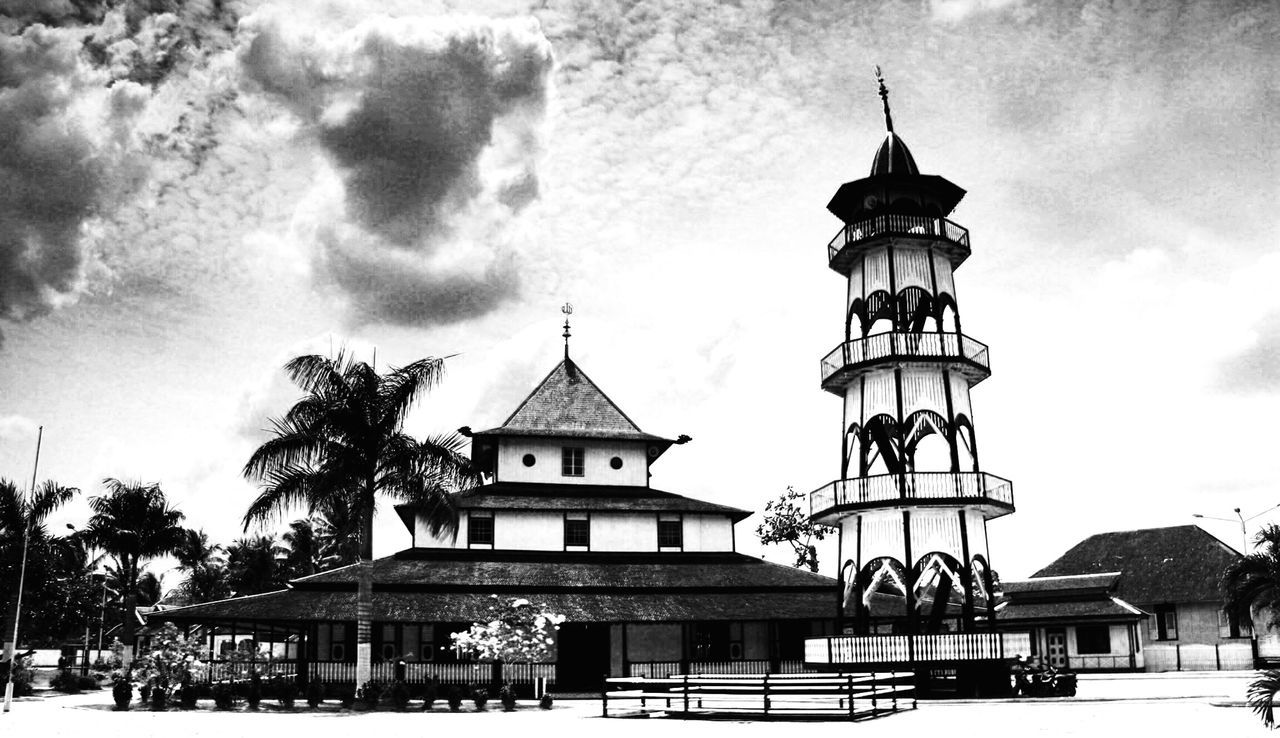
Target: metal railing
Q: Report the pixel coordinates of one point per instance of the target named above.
(897, 225)
(896, 649)
(894, 488)
(664, 669)
(905, 345)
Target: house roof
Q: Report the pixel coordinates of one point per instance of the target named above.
(575, 497)
(451, 585)
(1183, 563)
(1070, 584)
(316, 605)
(1109, 608)
(568, 404)
(432, 569)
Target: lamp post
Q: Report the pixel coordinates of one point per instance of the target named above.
(22, 579)
(1242, 520)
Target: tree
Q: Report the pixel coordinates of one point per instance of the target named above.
(515, 631)
(205, 568)
(785, 521)
(341, 447)
(22, 526)
(253, 565)
(303, 557)
(133, 523)
(1251, 585)
(337, 537)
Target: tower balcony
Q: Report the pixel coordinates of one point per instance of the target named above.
(951, 239)
(842, 364)
(992, 494)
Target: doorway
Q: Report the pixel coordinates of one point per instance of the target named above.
(1056, 649)
(582, 657)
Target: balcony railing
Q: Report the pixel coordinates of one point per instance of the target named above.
(898, 225)
(905, 649)
(860, 351)
(896, 489)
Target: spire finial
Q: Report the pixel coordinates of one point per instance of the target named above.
(567, 310)
(884, 95)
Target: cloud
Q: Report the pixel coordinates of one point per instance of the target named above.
(16, 428)
(434, 129)
(1257, 368)
(957, 10)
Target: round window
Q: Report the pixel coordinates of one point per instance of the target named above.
(529, 460)
(616, 462)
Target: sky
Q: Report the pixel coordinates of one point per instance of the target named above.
(195, 192)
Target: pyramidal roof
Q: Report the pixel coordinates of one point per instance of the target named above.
(568, 404)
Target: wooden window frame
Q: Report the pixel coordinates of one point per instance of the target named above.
(679, 523)
(573, 461)
(472, 517)
(576, 518)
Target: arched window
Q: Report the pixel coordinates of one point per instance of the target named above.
(914, 308)
(884, 588)
(939, 591)
(925, 444)
(881, 447)
(963, 442)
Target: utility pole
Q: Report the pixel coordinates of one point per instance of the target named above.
(22, 573)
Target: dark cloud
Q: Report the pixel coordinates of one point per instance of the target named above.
(1257, 369)
(433, 127)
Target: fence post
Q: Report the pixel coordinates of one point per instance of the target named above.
(686, 693)
(1217, 656)
(849, 686)
(766, 695)
(1177, 653)
(604, 697)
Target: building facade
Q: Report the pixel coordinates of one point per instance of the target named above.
(649, 581)
(1075, 622)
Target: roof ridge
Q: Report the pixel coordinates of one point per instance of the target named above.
(529, 396)
(606, 396)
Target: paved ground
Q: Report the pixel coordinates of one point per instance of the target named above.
(1165, 705)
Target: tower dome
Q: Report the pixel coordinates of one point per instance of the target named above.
(893, 157)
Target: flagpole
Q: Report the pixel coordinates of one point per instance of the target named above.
(22, 574)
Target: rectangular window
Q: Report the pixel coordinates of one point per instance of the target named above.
(1093, 639)
(1233, 627)
(577, 532)
(670, 533)
(1166, 617)
(571, 461)
(480, 529)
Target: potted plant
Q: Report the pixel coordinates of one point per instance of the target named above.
(286, 692)
(315, 693)
(122, 691)
(159, 698)
(254, 695)
(367, 696)
(224, 697)
(430, 693)
(545, 702)
(507, 696)
(480, 696)
(455, 698)
(399, 694)
(187, 694)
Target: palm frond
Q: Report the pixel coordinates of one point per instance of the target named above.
(402, 387)
(48, 497)
(1262, 695)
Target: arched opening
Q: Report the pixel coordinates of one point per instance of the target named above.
(939, 593)
(849, 588)
(966, 452)
(883, 585)
(881, 447)
(925, 444)
(948, 318)
(852, 450)
(980, 586)
(879, 314)
(906, 206)
(915, 306)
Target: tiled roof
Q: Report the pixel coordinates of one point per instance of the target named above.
(1109, 608)
(509, 496)
(568, 403)
(1061, 585)
(1182, 563)
(302, 605)
(486, 570)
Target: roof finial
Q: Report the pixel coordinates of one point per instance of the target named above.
(567, 310)
(884, 95)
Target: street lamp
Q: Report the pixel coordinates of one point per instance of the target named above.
(22, 577)
(1241, 519)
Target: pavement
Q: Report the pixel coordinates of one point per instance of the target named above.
(1190, 704)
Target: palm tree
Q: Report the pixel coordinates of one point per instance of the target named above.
(206, 573)
(303, 547)
(22, 528)
(341, 447)
(337, 537)
(133, 522)
(253, 565)
(1251, 586)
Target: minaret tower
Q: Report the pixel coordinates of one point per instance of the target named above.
(912, 502)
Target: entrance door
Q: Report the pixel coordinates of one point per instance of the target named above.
(1057, 648)
(582, 657)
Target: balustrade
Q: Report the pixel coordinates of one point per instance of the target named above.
(934, 647)
(905, 346)
(894, 488)
(890, 224)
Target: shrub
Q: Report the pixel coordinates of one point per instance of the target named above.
(88, 682)
(66, 681)
(507, 696)
(144, 692)
(455, 698)
(545, 702)
(224, 697)
(399, 693)
(122, 692)
(159, 698)
(480, 696)
(369, 693)
(315, 692)
(187, 695)
(430, 693)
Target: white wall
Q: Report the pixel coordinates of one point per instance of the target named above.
(596, 469)
(534, 530)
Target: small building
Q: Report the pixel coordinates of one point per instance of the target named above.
(1173, 574)
(649, 581)
(1075, 622)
